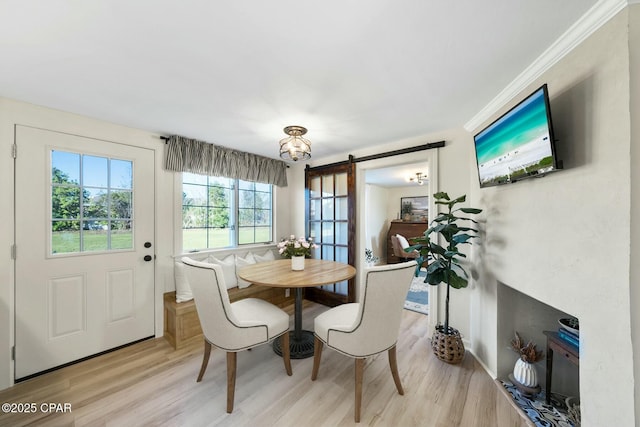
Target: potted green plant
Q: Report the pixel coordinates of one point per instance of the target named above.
(444, 266)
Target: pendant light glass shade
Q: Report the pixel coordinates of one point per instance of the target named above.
(295, 147)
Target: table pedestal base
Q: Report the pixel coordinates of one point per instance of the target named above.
(300, 347)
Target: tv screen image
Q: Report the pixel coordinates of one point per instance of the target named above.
(519, 144)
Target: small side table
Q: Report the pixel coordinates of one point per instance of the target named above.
(567, 350)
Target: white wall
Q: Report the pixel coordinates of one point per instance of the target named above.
(564, 239)
(634, 72)
(376, 220)
(396, 193)
(167, 217)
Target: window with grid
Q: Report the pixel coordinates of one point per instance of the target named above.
(221, 212)
(91, 203)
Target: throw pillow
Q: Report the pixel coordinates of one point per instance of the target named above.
(403, 241)
(268, 256)
(228, 269)
(183, 290)
(243, 262)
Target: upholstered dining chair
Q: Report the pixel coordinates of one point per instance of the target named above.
(398, 244)
(369, 326)
(232, 326)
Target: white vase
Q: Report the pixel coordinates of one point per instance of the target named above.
(525, 373)
(297, 262)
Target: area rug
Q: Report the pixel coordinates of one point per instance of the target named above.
(418, 296)
(541, 414)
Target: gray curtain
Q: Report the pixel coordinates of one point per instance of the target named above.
(190, 155)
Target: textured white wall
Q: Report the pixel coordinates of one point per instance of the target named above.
(634, 72)
(564, 239)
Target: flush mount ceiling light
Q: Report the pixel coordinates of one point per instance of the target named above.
(419, 179)
(295, 147)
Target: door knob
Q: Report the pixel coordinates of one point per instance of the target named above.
(148, 258)
(147, 244)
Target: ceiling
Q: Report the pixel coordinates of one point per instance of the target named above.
(398, 176)
(355, 73)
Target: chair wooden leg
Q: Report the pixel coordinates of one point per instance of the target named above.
(393, 364)
(317, 353)
(231, 379)
(205, 360)
(359, 375)
(286, 353)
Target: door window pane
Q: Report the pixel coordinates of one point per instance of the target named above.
(327, 185)
(327, 209)
(341, 254)
(314, 191)
(81, 190)
(120, 203)
(327, 232)
(65, 236)
(341, 208)
(95, 171)
(65, 167)
(315, 233)
(341, 184)
(121, 174)
(121, 235)
(327, 252)
(341, 233)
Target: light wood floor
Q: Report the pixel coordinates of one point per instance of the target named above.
(150, 384)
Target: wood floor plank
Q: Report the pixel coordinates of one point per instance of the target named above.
(151, 384)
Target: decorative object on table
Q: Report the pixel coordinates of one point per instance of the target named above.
(445, 267)
(295, 147)
(525, 376)
(296, 249)
(414, 208)
(569, 330)
(370, 258)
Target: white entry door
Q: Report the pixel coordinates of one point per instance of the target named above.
(84, 247)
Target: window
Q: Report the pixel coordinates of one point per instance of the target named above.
(91, 203)
(222, 212)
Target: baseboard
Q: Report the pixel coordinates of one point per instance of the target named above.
(492, 374)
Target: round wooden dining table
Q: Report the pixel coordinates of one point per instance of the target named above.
(279, 274)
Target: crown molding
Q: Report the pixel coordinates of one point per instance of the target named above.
(595, 17)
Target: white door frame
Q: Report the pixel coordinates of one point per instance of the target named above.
(429, 156)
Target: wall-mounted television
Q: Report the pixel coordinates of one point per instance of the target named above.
(519, 144)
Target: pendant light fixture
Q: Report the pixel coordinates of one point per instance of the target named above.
(419, 179)
(295, 147)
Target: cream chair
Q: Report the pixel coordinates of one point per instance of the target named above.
(232, 326)
(368, 327)
(399, 243)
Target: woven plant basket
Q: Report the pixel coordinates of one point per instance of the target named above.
(447, 347)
